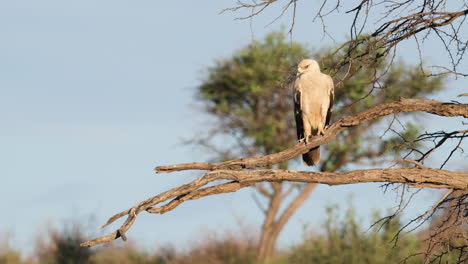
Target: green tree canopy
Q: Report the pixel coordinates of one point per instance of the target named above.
(251, 96)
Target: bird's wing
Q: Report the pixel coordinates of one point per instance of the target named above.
(301, 99)
(298, 112)
(331, 94)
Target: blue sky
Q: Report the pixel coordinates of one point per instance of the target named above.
(94, 94)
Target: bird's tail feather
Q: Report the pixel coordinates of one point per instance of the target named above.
(312, 157)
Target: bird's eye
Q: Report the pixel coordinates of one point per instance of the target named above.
(307, 66)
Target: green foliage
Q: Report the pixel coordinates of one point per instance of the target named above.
(346, 242)
(131, 255)
(68, 250)
(9, 256)
(409, 82)
(402, 141)
(220, 251)
(64, 248)
(365, 83)
(250, 94)
(372, 79)
(343, 241)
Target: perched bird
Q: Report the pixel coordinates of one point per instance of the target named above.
(313, 101)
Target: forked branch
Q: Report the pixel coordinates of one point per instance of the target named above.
(402, 105)
(237, 178)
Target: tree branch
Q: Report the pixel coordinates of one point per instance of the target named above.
(403, 105)
(294, 205)
(433, 178)
(417, 177)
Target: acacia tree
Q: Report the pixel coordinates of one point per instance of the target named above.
(250, 94)
(363, 54)
(252, 102)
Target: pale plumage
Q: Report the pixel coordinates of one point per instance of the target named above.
(313, 101)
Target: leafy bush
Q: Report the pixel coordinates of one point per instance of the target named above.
(345, 241)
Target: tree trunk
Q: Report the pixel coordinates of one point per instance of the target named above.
(274, 223)
(264, 245)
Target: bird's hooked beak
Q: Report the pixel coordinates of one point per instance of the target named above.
(299, 71)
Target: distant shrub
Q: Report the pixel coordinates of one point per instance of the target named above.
(63, 247)
(345, 242)
(228, 249)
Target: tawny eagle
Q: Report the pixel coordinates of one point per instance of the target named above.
(313, 102)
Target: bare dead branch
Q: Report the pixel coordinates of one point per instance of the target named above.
(433, 178)
(417, 177)
(444, 136)
(398, 21)
(436, 205)
(261, 189)
(418, 164)
(403, 105)
(296, 203)
(449, 228)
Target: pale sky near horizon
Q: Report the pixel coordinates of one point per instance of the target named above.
(94, 94)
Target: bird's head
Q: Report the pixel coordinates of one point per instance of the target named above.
(307, 65)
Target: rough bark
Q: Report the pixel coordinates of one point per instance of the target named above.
(272, 226)
(403, 105)
(416, 177)
(231, 170)
(266, 238)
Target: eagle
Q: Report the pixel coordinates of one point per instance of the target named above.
(313, 102)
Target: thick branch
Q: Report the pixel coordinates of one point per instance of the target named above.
(404, 20)
(230, 170)
(416, 177)
(403, 105)
(294, 205)
(433, 178)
